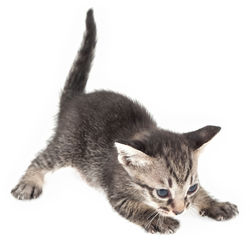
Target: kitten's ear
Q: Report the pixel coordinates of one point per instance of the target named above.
(133, 160)
(201, 136)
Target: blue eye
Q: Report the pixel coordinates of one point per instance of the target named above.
(163, 193)
(192, 189)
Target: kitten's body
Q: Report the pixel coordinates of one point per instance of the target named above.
(117, 146)
(99, 120)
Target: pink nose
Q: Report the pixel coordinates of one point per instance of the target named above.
(178, 207)
(178, 212)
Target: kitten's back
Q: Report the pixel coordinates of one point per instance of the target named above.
(105, 115)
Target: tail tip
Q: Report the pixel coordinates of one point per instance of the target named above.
(90, 13)
(90, 21)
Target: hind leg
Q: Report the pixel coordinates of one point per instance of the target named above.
(31, 184)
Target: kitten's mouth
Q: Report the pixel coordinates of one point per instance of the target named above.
(164, 211)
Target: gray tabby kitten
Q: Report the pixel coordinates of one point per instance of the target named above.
(148, 173)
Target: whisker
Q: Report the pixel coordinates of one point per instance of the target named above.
(151, 214)
(149, 223)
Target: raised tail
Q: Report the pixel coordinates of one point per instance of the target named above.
(78, 75)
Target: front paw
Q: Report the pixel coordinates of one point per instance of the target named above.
(220, 211)
(164, 225)
(26, 191)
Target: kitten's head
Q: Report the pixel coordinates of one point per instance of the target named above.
(163, 166)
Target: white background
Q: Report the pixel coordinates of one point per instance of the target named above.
(186, 61)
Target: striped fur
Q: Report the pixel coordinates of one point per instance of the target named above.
(116, 145)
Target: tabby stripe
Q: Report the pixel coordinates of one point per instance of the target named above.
(188, 172)
(144, 186)
(170, 183)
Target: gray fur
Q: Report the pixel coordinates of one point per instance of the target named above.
(116, 145)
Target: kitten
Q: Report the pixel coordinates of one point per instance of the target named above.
(148, 173)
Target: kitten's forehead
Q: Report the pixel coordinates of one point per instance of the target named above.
(179, 161)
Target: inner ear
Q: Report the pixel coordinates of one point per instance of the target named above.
(131, 157)
(137, 164)
(201, 136)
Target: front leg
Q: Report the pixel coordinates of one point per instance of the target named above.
(212, 208)
(31, 184)
(145, 216)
